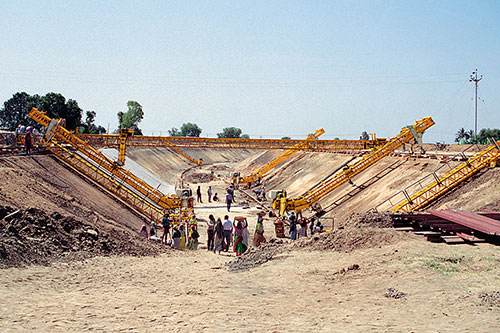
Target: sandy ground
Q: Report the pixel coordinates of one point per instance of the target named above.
(299, 291)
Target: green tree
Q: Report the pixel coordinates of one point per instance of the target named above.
(286, 138)
(56, 107)
(188, 129)
(460, 136)
(132, 117)
(487, 133)
(15, 110)
(230, 132)
(245, 136)
(174, 132)
(364, 136)
(89, 126)
(463, 137)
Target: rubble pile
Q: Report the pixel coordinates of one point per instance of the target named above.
(32, 236)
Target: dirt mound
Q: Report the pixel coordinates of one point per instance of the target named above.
(361, 231)
(349, 239)
(31, 236)
(370, 219)
(256, 256)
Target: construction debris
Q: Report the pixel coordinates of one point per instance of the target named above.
(31, 236)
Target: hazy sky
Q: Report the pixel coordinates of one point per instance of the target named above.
(272, 68)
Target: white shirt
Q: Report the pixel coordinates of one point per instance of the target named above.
(227, 225)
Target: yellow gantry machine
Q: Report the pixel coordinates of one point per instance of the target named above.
(125, 134)
(113, 140)
(310, 198)
(422, 198)
(109, 174)
(256, 175)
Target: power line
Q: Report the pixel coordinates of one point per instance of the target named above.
(475, 79)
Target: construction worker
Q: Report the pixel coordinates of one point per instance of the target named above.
(229, 200)
(209, 192)
(28, 140)
(198, 195)
(165, 222)
(258, 237)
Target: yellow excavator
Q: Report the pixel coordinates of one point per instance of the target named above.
(257, 175)
(310, 199)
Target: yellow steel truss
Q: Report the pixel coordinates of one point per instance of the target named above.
(112, 140)
(448, 181)
(315, 194)
(306, 144)
(104, 171)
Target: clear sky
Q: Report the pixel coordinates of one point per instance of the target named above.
(272, 68)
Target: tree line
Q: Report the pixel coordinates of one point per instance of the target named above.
(15, 111)
(467, 137)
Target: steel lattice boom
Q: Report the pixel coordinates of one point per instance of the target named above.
(448, 181)
(350, 170)
(104, 171)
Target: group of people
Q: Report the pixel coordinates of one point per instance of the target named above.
(209, 195)
(221, 235)
(297, 227)
(184, 236)
(28, 133)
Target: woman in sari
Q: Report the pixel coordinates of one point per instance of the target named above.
(183, 237)
(176, 236)
(219, 236)
(193, 238)
(258, 237)
(238, 246)
(245, 233)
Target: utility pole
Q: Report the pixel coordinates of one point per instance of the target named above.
(475, 79)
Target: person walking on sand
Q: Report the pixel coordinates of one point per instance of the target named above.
(210, 232)
(219, 236)
(228, 228)
(183, 237)
(229, 200)
(258, 236)
(238, 246)
(176, 236)
(209, 192)
(198, 195)
(246, 235)
(193, 238)
(165, 222)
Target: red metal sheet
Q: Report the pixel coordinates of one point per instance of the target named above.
(474, 221)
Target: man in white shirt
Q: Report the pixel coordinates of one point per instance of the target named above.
(228, 228)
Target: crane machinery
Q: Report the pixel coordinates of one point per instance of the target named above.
(256, 175)
(124, 136)
(113, 140)
(90, 162)
(310, 198)
(488, 156)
